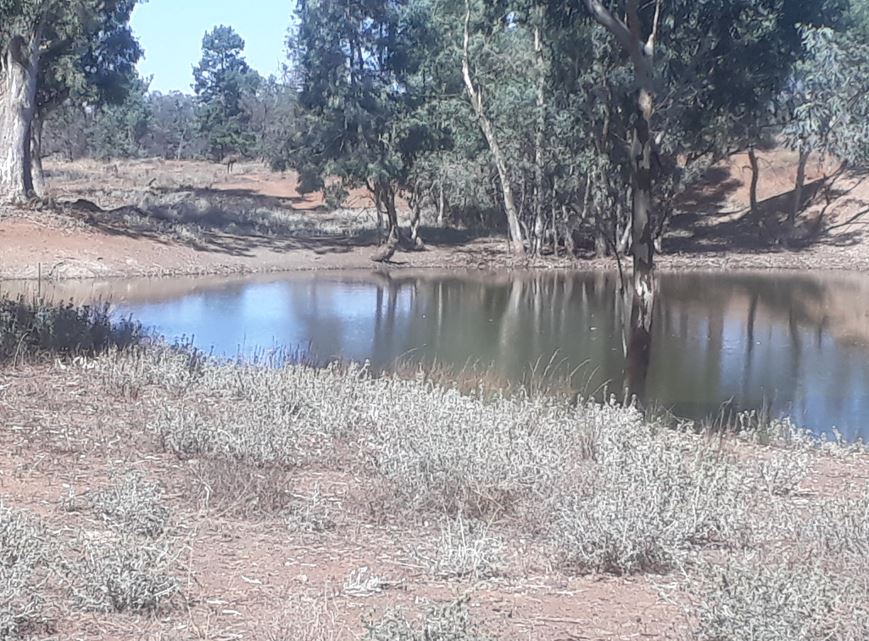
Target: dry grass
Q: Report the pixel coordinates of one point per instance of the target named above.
(185, 202)
(465, 549)
(448, 622)
(770, 601)
(239, 489)
(310, 513)
(25, 551)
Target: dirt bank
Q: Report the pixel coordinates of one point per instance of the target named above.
(156, 218)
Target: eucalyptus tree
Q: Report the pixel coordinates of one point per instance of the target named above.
(54, 50)
(356, 65)
(272, 109)
(829, 100)
(173, 131)
(496, 25)
(118, 131)
(695, 66)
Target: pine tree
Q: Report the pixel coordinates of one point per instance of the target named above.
(222, 80)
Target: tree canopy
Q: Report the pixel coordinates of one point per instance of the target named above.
(221, 81)
(55, 51)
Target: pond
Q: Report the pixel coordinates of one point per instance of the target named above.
(794, 344)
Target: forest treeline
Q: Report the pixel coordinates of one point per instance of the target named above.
(533, 116)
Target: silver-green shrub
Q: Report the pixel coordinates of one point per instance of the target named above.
(759, 599)
(24, 549)
(650, 499)
(133, 503)
(123, 573)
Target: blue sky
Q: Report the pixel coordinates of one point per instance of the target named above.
(171, 33)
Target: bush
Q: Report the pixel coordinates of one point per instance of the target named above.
(24, 550)
(38, 327)
(753, 599)
(459, 455)
(647, 502)
(134, 504)
(122, 574)
(839, 529)
(450, 622)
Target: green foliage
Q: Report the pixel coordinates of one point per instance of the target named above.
(356, 67)
(172, 132)
(88, 51)
(375, 97)
(117, 131)
(829, 94)
(222, 79)
(272, 110)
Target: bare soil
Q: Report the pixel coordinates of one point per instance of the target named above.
(99, 223)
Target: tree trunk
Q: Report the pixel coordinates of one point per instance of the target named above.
(516, 243)
(537, 241)
(797, 203)
(391, 213)
(40, 185)
(624, 245)
(554, 216)
(755, 177)
(601, 246)
(17, 109)
(415, 222)
(442, 204)
(378, 207)
(641, 52)
(643, 250)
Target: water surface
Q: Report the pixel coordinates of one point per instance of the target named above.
(795, 344)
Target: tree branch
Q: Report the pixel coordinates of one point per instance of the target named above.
(615, 26)
(650, 43)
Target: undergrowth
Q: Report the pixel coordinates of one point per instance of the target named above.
(25, 551)
(37, 327)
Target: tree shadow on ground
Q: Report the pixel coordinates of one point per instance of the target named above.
(704, 226)
(218, 228)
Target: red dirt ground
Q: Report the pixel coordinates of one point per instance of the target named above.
(712, 232)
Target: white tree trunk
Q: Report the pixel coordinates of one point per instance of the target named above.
(517, 245)
(537, 241)
(17, 108)
(40, 185)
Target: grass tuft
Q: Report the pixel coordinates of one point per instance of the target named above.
(121, 574)
(450, 622)
(133, 504)
(310, 514)
(24, 551)
(466, 549)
